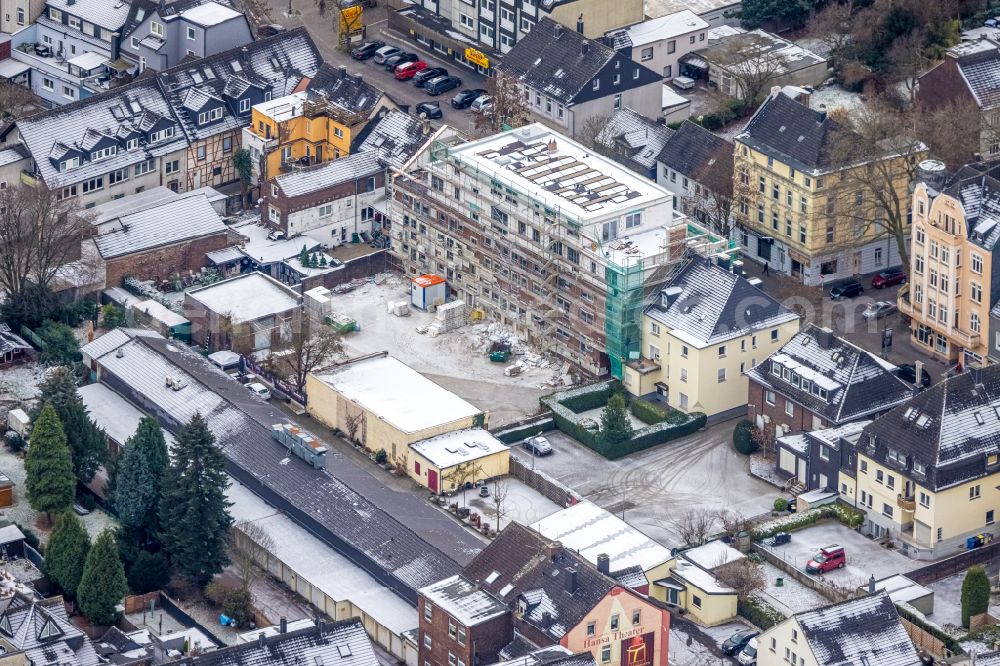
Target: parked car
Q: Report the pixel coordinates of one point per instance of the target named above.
(386, 52)
(465, 98)
(442, 84)
(421, 78)
(888, 278)
(683, 82)
(735, 643)
(482, 104)
(748, 655)
(827, 559)
(366, 50)
(258, 390)
(408, 70)
(392, 62)
(538, 445)
(879, 309)
(847, 289)
(908, 373)
(993, 22)
(430, 110)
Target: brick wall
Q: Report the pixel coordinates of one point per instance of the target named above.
(482, 641)
(801, 420)
(160, 263)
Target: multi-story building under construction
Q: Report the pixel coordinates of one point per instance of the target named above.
(534, 230)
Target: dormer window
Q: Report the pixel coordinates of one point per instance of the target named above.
(131, 144)
(244, 105)
(775, 369)
(162, 135)
(896, 456)
(103, 153)
(55, 14)
(71, 163)
(209, 116)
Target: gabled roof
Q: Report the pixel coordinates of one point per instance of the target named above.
(697, 152)
(394, 138)
(110, 14)
(43, 631)
(657, 29)
(706, 304)
(792, 132)
(190, 217)
(856, 382)
(859, 631)
(951, 428)
(978, 62)
(328, 174)
(347, 92)
(561, 63)
(977, 189)
(633, 137)
(464, 601)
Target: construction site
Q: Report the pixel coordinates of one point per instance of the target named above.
(560, 246)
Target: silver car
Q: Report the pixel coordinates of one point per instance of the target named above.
(538, 446)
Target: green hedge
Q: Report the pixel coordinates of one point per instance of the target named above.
(847, 515)
(758, 613)
(517, 435)
(581, 401)
(651, 413)
(949, 642)
(743, 440)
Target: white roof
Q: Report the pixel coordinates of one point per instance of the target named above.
(713, 554)
(247, 297)
(459, 446)
(160, 312)
(282, 108)
(459, 598)
(10, 533)
(328, 174)
(901, 589)
(111, 210)
(265, 251)
(101, 345)
(655, 8)
(224, 357)
(209, 14)
(320, 565)
(105, 13)
(666, 27)
(397, 393)
(88, 60)
(591, 531)
(671, 98)
(700, 578)
(113, 413)
(11, 68)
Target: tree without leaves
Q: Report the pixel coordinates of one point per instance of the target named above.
(753, 64)
(946, 132)
(48, 464)
(509, 107)
(693, 526)
(310, 346)
(589, 131)
(249, 546)
(744, 575)
(66, 553)
(193, 507)
(16, 101)
(103, 586)
(832, 25)
(498, 500)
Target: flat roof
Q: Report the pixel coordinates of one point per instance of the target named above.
(713, 554)
(463, 600)
(657, 8)
(209, 14)
(246, 297)
(283, 108)
(568, 177)
(665, 27)
(591, 531)
(459, 446)
(901, 589)
(88, 60)
(397, 393)
(160, 312)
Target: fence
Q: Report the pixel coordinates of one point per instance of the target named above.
(279, 384)
(543, 483)
(955, 564)
(135, 603)
(827, 589)
(922, 639)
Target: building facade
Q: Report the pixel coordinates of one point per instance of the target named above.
(660, 43)
(697, 166)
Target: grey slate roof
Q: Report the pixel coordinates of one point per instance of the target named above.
(394, 137)
(792, 132)
(189, 217)
(346, 91)
(463, 600)
(977, 187)
(328, 174)
(950, 428)
(714, 305)
(695, 151)
(110, 14)
(858, 383)
(866, 631)
(344, 506)
(552, 59)
(43, 631)
(979, 64)
(630, 136)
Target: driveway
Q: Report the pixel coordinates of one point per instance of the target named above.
(651, 487)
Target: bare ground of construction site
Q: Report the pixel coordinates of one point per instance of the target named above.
(456, 359)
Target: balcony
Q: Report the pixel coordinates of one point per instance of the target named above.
(967, 340)
(906, 503)
(904, 303)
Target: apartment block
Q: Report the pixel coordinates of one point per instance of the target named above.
(536, 231)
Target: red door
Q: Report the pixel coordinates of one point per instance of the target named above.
(432, 480)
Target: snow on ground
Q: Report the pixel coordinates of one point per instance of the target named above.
(686, 650)
(595, 415)
(20, 383)
(764, 469)
(792, 597)
(458, 353)
(522, 504)
(834, 97)
(948, 603)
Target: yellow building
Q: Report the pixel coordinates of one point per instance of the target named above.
(927, 473)
(864, 630)
(707, 328)
(383, 403)
(313, 125)
(804, 212)
(450, 461)
(951, 263)
(691, 583)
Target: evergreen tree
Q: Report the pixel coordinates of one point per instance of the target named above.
(103, 585)
(149, 572)
(135, 489)
(193, 507)
(58, 389)
(616, 427)
(304, 256)
(87, 442)
(975, 593)
(66, 552)
(148, 440)
(49, 468)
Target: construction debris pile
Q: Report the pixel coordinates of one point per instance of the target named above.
(487, 336)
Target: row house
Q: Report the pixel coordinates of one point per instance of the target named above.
(16, 14)
(697, 166)
(954, 281)
(633, 140)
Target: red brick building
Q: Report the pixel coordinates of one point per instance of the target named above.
(459, 622)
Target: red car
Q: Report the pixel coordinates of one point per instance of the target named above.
(827, 559)
(889, 278)
(407, 70)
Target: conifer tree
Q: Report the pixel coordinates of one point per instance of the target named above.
(616, 428)
(66, 553)
(135, 489)
(49, 468)
(103, 585)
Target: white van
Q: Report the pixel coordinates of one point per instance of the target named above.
(683, 82)
(258, 390)
(748, 657)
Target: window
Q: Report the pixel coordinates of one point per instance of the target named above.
(614, 622)
(863, 466)
(209, 116)
(789, 407)
(605, 654)
(326, 210)
(55, 15)
(162, 135)
(974, 324)
(633, 220)
(466, 20)
(74, 22)
(696, 600)
(591, 628)
(977, 264)
(684, 374)
(646, 54)
(173, 166)
(774, 335)
(636, 617)
(427, 641)
(67, 192)
(925, 499)
(339, 133)
(227, 144)
(722, 375)
(20, 16)
(428, 613)
(975, 492)
(684, 351)
(886, 510)
(68, 92)
(879, 476)
(769, 397)
(989, 517)
(201, 153)
(156, 28)
(485, 32)
(526, 25)
(93, 184)
(976, 292)
(190, 33)
(48, 84)
(918, 265)
(596, 84)
(135, 42)
(118, 176)
(824, 452)
(940, 533)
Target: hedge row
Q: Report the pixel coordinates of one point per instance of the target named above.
(847, 515)
(588, 397)
(650, 413)
(758, 613)
(949, 642)
(517, 435)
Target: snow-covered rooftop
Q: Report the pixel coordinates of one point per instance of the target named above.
(247, 297)
(160, 312)
(394, 391)
(464, 601)
(700, 578)
(282, 108)
(713, 554)
(209, 14)
(591, 531)
(113, 413)
(902, 589)
(263, 250)
(666, 27)
(459, 446)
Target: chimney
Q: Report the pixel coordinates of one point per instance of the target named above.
(571, 581)
(283, 626)
(871, 585)
(261, 640)
(579, 24)
(824, 338)
(604, 564)
(775, 91)
(585, 47)
(551, 146)
(559, 29)
(546, 619)
(342, 71)
(552, 549)
(918, 372)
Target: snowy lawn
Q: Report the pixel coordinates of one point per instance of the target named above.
(522, 504)
(792, 597)
(595, 414)
(948, 603)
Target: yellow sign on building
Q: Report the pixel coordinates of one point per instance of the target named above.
(477, 57)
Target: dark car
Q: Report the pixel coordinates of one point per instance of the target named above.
(539, 446)
(430, 110)
(423, 77)
(392, 62)
(848, 289)
(366, 50)
(908, 373)
(464, 99)
(889, 278)
(442, 84)
(738, 641)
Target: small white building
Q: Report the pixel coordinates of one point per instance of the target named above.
(714, 12)
(660, 43)
(458, 458)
